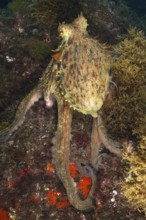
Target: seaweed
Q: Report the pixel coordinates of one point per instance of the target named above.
(38, 49)
(134, 184)
(20, 6)
(50, 12)
(126, 112)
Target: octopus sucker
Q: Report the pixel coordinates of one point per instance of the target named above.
(78, 77)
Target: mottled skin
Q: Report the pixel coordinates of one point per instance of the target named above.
(78, 77)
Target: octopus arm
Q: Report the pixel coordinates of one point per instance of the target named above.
(23, 108)
(61, 158)
(95, 144)
(111, 145)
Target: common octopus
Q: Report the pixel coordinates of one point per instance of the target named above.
(78, 77)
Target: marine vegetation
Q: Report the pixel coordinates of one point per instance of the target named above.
(78, 77)
(49, 12)
(20, 6)
(38, 49)
(127, 109)
(134, 184)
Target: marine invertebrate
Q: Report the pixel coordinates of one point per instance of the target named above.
(4, 215)
(79, 78)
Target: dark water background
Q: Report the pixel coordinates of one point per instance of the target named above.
(3, 3)
(138, 5)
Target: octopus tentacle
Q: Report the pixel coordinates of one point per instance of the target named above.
(23, 108)
(62, 155)
(111, 145)
(95, 144)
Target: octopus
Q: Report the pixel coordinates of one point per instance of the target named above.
(78, 77)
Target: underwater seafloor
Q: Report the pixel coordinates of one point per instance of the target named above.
(29, 186)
